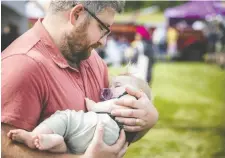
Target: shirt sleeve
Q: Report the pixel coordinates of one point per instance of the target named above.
(23, 92)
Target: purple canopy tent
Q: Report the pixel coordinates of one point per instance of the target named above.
(195, 10)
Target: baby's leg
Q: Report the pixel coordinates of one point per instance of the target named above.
(111, 129)
(42, 129)
(50, 142)
(26, 137)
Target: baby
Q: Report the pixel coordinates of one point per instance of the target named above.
(72, 130)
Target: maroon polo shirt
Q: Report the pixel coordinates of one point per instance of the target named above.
(37, 80)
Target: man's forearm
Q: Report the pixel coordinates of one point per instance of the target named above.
(11, 149)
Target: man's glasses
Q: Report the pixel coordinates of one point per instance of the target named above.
(107, 30)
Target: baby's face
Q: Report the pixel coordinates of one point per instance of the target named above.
(119, 84)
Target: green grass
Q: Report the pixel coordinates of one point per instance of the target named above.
(190, 98)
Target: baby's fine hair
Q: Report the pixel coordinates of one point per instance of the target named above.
(140, 84)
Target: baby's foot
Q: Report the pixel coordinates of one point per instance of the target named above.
(47, 141)
(22, 136)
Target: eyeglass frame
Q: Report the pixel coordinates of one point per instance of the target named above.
(108, 31)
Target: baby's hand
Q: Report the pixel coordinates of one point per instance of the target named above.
(89, 104)
(105, 106)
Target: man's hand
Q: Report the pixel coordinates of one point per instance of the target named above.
(142, 116)
(98, 149)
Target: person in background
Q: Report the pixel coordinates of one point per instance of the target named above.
(123, 45)
(159, 40)
(213, 36)
(172, 37)
(113, 54)
(222, 36)
(143, 56)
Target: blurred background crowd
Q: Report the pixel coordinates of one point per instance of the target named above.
(184, 41)
(177, 31)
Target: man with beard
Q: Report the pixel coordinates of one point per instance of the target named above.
(54, 66)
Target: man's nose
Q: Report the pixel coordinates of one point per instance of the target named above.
(102, 41)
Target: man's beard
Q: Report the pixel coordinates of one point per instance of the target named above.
(77, 46)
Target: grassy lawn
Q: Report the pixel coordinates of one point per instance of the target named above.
(190, 98)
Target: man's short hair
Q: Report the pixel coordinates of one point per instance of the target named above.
(94, 6)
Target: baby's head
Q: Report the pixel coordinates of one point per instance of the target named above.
(119, 83)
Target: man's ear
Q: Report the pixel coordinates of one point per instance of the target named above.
(75, 13)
